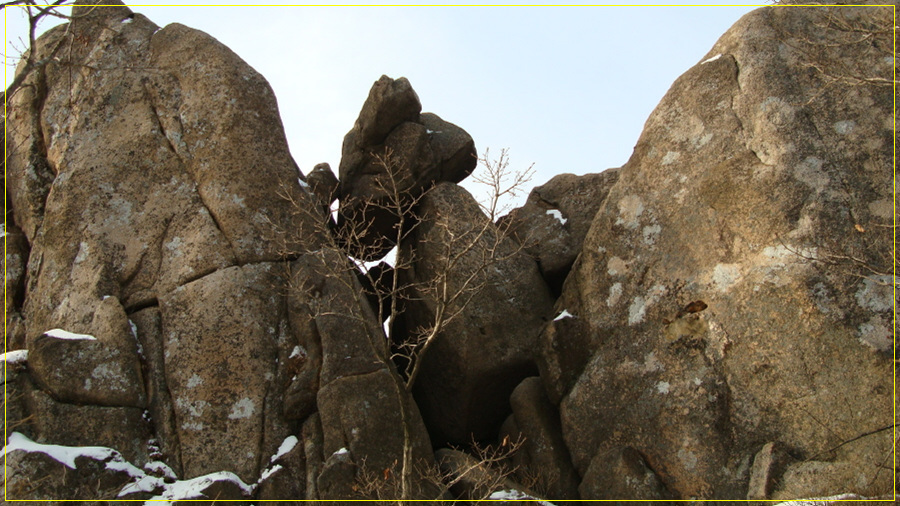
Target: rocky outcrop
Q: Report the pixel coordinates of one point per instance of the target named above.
(229, 322)
(102, 369)
(146, 207)
(490, 304)
(714, 288)
(555, 219)
(175, 308)
(389, 158)
(186, 322)
(362, 403)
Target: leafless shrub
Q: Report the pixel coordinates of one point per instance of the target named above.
(389, 295)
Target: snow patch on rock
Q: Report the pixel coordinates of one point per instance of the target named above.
(15, 357)
(556, 213)
(70, 336)
(287, 445)
(565, 314)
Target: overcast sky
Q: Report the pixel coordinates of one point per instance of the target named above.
(565, 88)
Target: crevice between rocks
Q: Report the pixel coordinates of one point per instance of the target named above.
(214, 270)
(141, 305)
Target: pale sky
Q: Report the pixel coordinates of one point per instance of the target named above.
(565, 88)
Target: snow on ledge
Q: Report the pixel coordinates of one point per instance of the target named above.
(69, 336)
(821, 501)
(564, 314)
(15, 357)
(269, 472)
(515, 495)
(714, 58)
(193, 488)
(556, 213)
(141, 481)
(66, 455)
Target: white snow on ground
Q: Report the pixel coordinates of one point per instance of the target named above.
(15, 356)
(515, 495)
(296, 352)
(141, 481)
(564, 314)
(62, 334)
(556, 213)
(342, 451)
(821, 501)
(193, 488)
(714, 58)
(158, 468)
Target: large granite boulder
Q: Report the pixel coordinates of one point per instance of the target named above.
(733, 290)
(145, 196)
(159, 184)
(102, 369)
(491, 302)
(555, 219)
(389, 158)
(542, 456)
(223, 336)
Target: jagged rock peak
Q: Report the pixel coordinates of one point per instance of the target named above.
(389, 158)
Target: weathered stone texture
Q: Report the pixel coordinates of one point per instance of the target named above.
(494, 304)
(750, 186)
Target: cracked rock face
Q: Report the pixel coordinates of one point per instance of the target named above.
(145, 192)
(173, 258)
(753, 177)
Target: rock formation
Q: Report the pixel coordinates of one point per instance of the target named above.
(495, 304)
(759, 191)
(389, 158)
(175, 304)
(555, 219)
(185, 320)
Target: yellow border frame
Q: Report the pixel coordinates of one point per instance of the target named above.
(893, 250)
